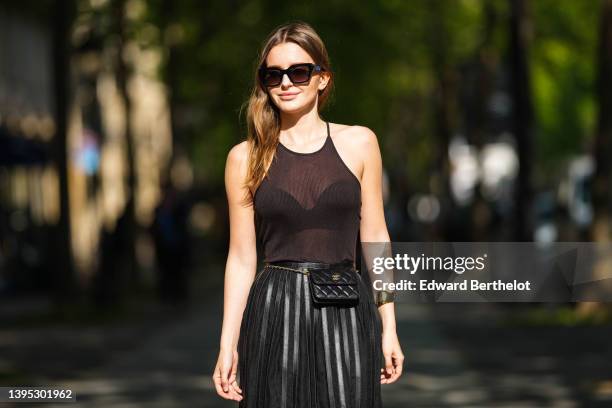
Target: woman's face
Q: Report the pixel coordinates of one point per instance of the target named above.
(289, 97)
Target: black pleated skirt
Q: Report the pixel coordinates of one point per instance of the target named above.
(292, 354)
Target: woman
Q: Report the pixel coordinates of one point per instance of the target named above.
(313, 187)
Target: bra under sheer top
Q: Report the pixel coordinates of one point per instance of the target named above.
(308, 207)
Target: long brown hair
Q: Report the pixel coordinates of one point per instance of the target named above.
(263, 119)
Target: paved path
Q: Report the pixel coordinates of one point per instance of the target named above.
(172, 367)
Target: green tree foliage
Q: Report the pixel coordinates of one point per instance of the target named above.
(563, 71)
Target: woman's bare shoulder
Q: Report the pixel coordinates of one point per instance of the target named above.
(237, 163)
(354, 137)
(238, 154)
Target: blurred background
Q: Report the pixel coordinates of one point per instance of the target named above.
(116, 117)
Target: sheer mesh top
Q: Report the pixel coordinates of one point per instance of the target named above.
(308, 207)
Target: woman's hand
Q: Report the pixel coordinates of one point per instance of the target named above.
(394, 358)
(224, 376)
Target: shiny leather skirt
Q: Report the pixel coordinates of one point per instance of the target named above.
(294, 354)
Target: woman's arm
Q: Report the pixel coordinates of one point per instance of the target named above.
(241, 262)
(373, 230)
(239, 273)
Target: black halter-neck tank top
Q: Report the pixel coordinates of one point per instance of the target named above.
(308, 206)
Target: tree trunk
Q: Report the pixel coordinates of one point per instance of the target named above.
(64, 284)
(522, 120)
(485, 66)
(172, 78)
(444, 115)
(127, 224)
(600, 228)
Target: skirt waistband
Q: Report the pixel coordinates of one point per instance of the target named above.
(300, 266)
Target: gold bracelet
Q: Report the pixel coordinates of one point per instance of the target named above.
(383, 297)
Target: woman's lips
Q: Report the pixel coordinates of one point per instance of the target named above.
(288, 96)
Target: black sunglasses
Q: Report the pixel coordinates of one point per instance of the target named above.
(298, 74)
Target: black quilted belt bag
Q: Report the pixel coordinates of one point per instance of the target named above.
(330, 284)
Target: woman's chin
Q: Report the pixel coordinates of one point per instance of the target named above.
(289, 107)
(292, 106)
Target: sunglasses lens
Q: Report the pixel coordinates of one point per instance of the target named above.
(297, 75)
(271, 77)
(300, 74)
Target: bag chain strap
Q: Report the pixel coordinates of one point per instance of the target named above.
(304, 271)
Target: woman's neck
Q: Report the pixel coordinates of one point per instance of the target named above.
(303, 130)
